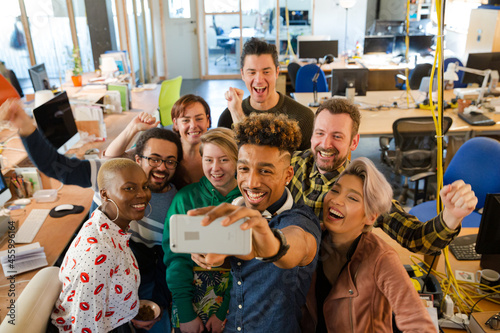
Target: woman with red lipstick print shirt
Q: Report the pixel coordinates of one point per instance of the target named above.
(203, 303)
(191, 119)
(99, 272)
(360, 281)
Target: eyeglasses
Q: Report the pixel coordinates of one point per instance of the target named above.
(156, 162)
(494, 322)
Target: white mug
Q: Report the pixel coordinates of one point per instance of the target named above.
(488, 277)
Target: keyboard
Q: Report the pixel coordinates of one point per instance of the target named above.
(31, 225)
(464, 248)
(476, 119)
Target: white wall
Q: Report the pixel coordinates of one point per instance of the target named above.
(329, 19)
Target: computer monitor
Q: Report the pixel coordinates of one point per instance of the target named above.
(317, 49)
(488, 237)
(490, 60)
(55, 120)
(378, 44)
(39, 77)
(421, 44)
(387, 27)
(295, 17)
(349, 77)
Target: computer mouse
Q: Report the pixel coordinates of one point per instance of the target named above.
(64, 207)
(475, 113)
(22, 202)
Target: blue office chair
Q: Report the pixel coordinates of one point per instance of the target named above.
(476, 163)
(226, 44)
(303, 81)
(458, 83)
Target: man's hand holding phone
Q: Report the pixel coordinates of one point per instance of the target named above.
(264, 242)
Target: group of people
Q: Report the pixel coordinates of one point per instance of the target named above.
(314, 265)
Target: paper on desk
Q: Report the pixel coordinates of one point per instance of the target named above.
(22, 259)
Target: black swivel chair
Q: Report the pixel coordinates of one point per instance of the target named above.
(415, 77)
(415, 151)
(226, 44)
(293, 68)
(15, 83)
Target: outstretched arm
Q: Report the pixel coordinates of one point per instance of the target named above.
(264, 243)
(143, 121)
(434, 235)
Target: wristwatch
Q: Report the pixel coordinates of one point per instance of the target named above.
(283, 249)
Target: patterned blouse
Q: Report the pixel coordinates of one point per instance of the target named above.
(100, 279)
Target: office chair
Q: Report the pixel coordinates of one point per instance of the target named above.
(225, 43)
(170, 92)
(35, 304)
(415, 151)
(414, 78)
(458, 83)
(476, 163)
(15, 82)
(305, 74)
(293, 68)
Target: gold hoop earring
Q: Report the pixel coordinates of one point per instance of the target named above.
(117, 210)
(150, 210)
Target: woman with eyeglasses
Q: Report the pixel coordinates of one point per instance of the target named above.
(202, 305)
(99, 273)
(360, 281)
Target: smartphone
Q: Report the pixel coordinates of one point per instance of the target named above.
(187, 235)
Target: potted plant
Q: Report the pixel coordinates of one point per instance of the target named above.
(77, 68)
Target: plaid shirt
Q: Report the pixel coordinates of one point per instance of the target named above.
(309, 187)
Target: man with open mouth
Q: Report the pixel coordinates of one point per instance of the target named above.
(270, 283)
(335, 135)
(259, 71)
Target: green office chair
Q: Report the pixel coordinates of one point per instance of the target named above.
(169, 94)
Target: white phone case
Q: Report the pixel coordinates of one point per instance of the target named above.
(187, 235)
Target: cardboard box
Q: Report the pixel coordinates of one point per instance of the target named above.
(478, 322)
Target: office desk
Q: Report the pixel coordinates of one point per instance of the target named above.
(54, 236)
(376, 123)
(469, 266)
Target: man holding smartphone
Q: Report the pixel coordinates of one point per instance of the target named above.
(270, 283)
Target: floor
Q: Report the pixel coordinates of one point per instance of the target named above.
(213, 92)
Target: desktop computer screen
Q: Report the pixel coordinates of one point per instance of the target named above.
(421, 44)
(490, 60)
(295, 17)
(349, 77)
(39, 77)
(377, 44)
(488, 237)
(55, 120)
(317, 49)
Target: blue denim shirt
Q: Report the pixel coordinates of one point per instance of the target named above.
(266, 298)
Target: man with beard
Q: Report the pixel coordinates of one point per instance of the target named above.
(335, 135)
(259, 71)
(158, 151)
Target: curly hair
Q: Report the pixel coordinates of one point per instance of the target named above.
(341, 105)
(268, 129)
(158, 133)
(256, 46)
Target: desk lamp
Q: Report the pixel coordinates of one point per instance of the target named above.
(453, 68)
(326, 60)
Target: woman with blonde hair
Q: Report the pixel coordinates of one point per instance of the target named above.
(360, 281)
(203, 304)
